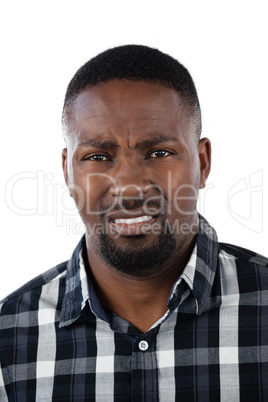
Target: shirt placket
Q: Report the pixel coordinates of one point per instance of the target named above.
(144, 370)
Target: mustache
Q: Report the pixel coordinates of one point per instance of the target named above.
(130, 204)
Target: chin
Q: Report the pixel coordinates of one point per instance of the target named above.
(136, 256)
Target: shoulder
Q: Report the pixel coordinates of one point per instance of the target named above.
(244, 255)
(30, 293)
(245, 270)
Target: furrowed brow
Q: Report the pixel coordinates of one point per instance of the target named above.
(100, 144)
(151, 142)
(144, 144)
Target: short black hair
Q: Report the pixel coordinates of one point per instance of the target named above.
(135, 63)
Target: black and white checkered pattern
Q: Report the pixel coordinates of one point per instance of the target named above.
(57, 343)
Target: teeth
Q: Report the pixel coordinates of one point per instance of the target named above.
(134, 220)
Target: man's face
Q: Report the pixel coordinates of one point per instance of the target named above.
(134, 168)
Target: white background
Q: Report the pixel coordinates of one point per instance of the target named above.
(43, 43)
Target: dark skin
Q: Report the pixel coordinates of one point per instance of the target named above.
(144, 147)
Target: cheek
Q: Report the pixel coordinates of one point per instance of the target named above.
(185, 199)
(182, 192)
(90, 193)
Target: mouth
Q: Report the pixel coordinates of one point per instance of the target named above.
(129, 221)
(123, 223)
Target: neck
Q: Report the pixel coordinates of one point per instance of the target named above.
(128, 296)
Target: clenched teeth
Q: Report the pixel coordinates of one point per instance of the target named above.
(134, 220)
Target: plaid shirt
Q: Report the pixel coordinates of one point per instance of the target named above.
(59, 344)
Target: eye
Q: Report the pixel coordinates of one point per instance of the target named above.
(97, 158)
(160, 153)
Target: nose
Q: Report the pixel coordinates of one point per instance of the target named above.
(131, 180)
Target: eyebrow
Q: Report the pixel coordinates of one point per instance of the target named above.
(144, 144)
(95, 143)
(153, 141)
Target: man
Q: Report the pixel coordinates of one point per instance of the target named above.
(150, 306)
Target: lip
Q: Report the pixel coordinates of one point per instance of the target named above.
(132, 213)
(134, 228)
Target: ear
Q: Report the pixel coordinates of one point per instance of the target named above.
(65, 166)
(204, 150)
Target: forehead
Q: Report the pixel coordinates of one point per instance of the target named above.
(139, 95)
(128, 106)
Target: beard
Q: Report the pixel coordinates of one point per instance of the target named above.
(135, 259)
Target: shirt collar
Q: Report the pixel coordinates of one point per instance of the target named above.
(76, 287)
(198, 276)
(199, 273)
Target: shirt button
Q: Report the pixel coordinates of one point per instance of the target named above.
(143, 345)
